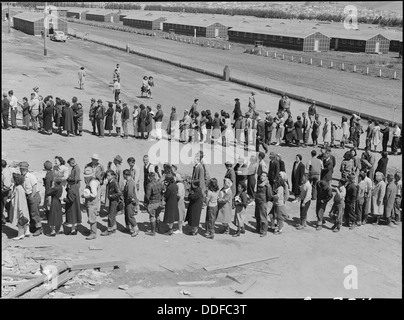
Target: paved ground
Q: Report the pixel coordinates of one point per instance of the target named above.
(311, 263)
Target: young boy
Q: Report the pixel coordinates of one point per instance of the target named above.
(337, 209)
(114, 195)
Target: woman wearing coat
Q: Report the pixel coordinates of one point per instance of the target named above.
(73, 211)
(79, 116)
(378, 193)
(68, 118)
(326, 133)
(289, 125)
(149, 121)
(225, 205)
(109, 118)
(376, 135)
(19, 207)
(55, 220)
(195, 198)
(142, 122)
(299, 130)
(60, 169)
(297, 176)
(47, 116)
(171, 213)
(316, 130)
(180, 202)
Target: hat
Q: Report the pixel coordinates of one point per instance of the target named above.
(95, 157)
(35, 88)
(88, 172)
(118, 158)
(272, 154)
(4, 94)
(152, 112)
(267, 112)
(24, 164)
(228, 162)
(252, 92)
(48, 165)
(178, 178)
(99, 100)
(93, 99)
(237, 99)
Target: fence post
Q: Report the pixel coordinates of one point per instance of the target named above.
(321, 62)
(292, 58)
(311, 60)
(332, 64)
(360, 108)
(367, 70)
(395, 75)
(354, 68)
(380, 72)
(266, 54)
(283, 57)
(275, 55)
(301, 59)
(342, 66)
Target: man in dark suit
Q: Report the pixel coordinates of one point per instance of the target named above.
(306, 129)
(231, 174)
(260, 135)
(297, 176)
(274, 168)
(327, 171)
(269, 122)
(198, 173)
(237, 109)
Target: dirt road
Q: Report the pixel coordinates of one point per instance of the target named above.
(311, 263)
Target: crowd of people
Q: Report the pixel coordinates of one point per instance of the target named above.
(365, 194)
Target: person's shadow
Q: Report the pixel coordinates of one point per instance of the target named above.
(9, 232)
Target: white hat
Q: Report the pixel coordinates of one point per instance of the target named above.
(152, 112)
(95, 157)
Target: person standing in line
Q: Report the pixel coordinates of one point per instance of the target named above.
(395, 143)
(382, 164)
(131, 203)
(171, 213)
(327, 171)
(289, 133)
(298, 131)
(389, 200)
(125, 121)
(368, 161)
(82, 78)
(30, 185)
(118, 72)
(55, 220)
(338, 207)
(312, 111)
(315, 133)
(116, 91)
(114, 195)
(326, 133)
(314, 168)
(118, 120)
(280, 128)
(263, 198)
(251, 104)
(369, 134)
(68, 117)
(398, 201)
(19, 210)
(75, 172)
(25, 114)
(347, 165)
(324, 194)
(5, 109)
(13, 105)
(72, 200)
(378, 193)
(47, 115)
(172, 123)
(78, 117)
(109, 118)
(280, 196)
(305, 201)
(212, 194)
(6, 189)
(386, 136)
(230, 174)
(240, 169)
(193, 216)
(260, 140)
(34, 110)
(209, 124)
(91, 114)
(158, 118)
(194, 107)
(251, 178)
(269, 127)
(361, 201)
(297, 177)
(202, 124)
(241, 205)
(181, 201)
(98, 168)
(135, 173)
(262, 165)
(306, 125)
(345, 132)
(375, 135)
(274, 168)
(149, 122)
(99, 118)
(238, 130)
(92, 200)
(237, 109)
(225, 205)
(199, 173)
(350, 201)
(148, 168)
(135, 119)
(47, 183)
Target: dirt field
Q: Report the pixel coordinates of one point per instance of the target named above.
(361, 93)
(310, 263)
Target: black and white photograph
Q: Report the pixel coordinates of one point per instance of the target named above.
(202, 150)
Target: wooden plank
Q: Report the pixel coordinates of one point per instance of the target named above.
(18, 275)
(244, 287)
(167, 269)
(94, 263)
(62, 279)
(195, 283)
(12, 283)
(263, 271)
(235, 264)
(24, 288)
(33, 246)
(234, 277)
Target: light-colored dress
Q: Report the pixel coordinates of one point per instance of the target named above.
(181, 203)
(327, 132)
(19, 205)
(63, 172)
(376, 134)
(280, 128)
(118, 119)
(135, 116)
(378, 193)
(225, 206)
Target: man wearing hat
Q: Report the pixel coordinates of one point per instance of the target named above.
(237, 110)
(116, 90)
(5, 109)
(260, 140)
(97, 167)
(185, 125)
(350, 199)
(274, 168)
(230, 174)
(173, 125)
(92, 200)
(153, 200)
(91, 113)
(269, 127)
(125, 120)
(99, 118)
(131, 202)
(33, 198)
(13, 105)
(199, 172)
(158, 119)
(117, 168)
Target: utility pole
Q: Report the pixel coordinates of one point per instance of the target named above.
(9, 17)
(45, 51)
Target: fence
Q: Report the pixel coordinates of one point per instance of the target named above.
(377, 110)
(199, 41)
(383, 72)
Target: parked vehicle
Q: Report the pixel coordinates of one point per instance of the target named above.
(58, 36)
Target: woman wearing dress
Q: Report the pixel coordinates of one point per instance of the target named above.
(326, 133)
(203, 130)
(73, 211)
(173, 125)
(212, 194)
(135, 118)
(316, 130)
(378, 192)
(180, 202)
(149, 121)
(345, 131)
(299, 130)
(376, 135)
(251, 178)
(142, 122)
(19, 213)
(60, 169)
(195, 198)
(55, 220)
(118, 119)
(289, 130)
(171, 213)
(225, 205)
(109, 118)
(280, 128)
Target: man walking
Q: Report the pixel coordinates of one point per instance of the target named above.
(116, 90)
(82, 78)
(13, 105)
